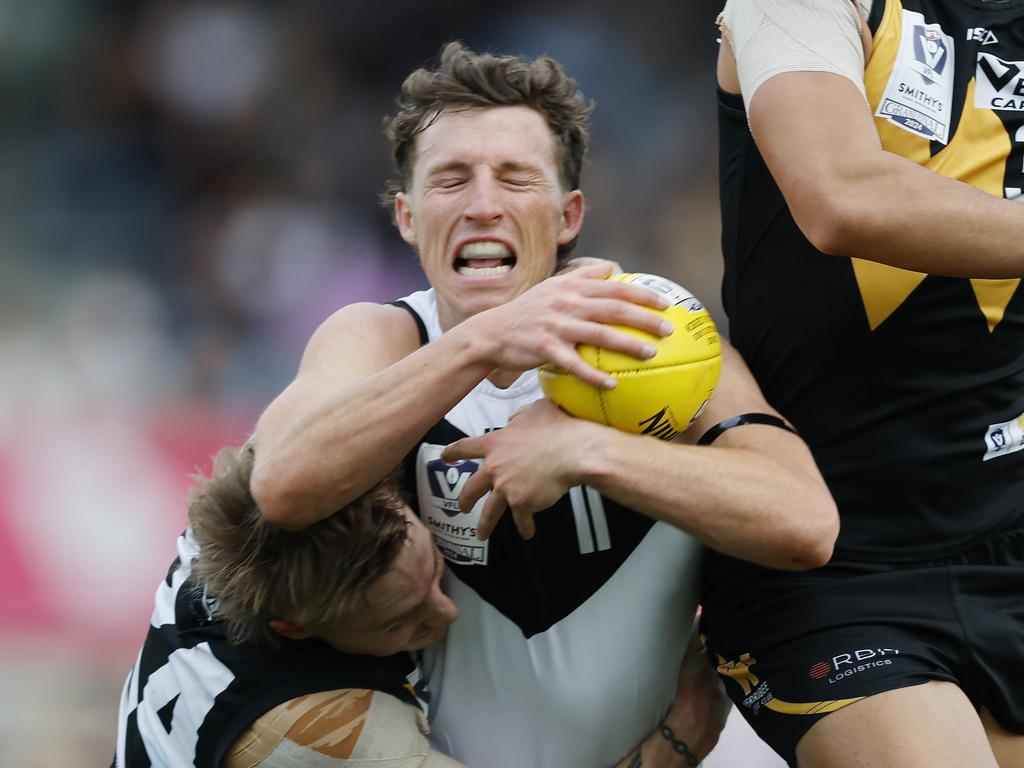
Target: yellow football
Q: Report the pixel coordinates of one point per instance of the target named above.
(661, 396)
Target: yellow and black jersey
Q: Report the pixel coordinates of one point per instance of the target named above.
(908, 387)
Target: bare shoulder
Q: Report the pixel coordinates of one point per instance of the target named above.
(342, 727)
(374, 335)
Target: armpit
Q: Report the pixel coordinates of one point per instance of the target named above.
(351, 727)
(769, 37)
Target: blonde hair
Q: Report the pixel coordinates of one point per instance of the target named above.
(313, 577)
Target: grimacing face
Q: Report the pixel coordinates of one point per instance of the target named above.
(486, 209)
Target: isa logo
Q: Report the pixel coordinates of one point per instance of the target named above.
(930, 51)
(446, 482)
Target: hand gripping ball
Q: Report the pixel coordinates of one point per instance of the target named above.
(661, 396)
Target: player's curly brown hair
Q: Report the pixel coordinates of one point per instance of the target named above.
(464, 79)
(313, 577)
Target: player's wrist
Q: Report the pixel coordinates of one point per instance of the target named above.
(475, 345)
(593, 452)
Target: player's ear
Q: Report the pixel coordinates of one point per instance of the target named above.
(290, 629)
(572, 217)
(403, 218)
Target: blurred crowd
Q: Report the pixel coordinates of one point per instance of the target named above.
(187, 189)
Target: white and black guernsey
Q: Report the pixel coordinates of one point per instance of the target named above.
(567, 647)
(192, 693)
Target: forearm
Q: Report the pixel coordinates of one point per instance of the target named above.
(690, 729)
(318, 451)
(740, 502)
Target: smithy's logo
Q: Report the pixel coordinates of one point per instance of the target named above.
(930, 51)
(447, 481)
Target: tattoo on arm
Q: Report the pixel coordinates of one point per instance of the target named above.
(680, 746)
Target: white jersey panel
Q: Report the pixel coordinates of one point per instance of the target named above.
(584, 691)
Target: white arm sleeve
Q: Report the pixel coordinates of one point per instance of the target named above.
(769, 37)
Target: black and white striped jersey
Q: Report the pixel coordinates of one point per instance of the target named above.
(192, 692)
(568, 645)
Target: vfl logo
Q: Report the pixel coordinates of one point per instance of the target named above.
(999, 84)
(447, 481)
(931, 52)
(659, 425)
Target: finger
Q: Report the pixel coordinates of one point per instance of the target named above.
(570, 361)
(524, 523)
(494, 508)
(599, 335)
(474, 489)
(588, 266)
(466, 448)
(635, 294)
(618, 312)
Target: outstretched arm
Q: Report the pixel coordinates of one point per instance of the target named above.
(366, 390)
(754, 494)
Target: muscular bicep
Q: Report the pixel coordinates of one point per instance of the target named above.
(817, 136)
(350, 727)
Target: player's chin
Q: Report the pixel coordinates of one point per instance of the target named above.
(420, 642)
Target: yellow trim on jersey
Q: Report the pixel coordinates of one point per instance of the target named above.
(809, 708)
(740, 673)
(976, 155)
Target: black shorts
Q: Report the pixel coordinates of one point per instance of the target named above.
(792, 648)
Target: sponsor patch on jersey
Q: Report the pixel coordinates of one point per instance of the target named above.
(999, 84)
(847, 664)
(438, 485)
(919, 94)
(1003, 439)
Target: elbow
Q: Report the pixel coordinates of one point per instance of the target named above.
(274, 499)
(813, 544)
(829, 222)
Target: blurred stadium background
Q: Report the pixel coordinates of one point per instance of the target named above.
(187, 188)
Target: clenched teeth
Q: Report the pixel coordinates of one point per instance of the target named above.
(484, 271)
(485, 258)
(485, 249)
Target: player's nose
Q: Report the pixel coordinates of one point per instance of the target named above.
(484, 205)
(443, 610)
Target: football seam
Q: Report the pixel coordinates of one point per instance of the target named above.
(657, 367)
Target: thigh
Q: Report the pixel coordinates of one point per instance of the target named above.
(922, 726)
(1008, 747)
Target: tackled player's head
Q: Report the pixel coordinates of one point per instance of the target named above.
(464, 79)
(346, 579)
